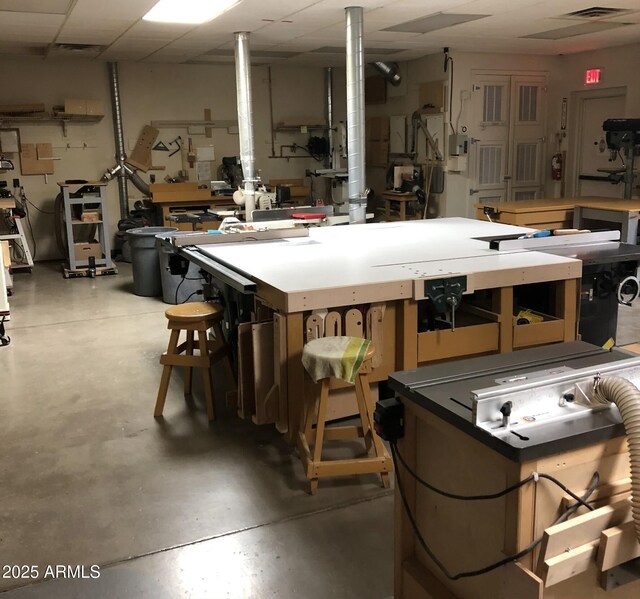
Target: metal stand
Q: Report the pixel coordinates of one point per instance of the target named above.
(20, 239)
(91, 265)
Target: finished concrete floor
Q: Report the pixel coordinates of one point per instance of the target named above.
(166, 508)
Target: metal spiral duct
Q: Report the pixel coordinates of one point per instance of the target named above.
(245, 119)
(355, 115)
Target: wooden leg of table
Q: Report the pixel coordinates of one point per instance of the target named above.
(207, 379)
(166, 374)
(295, 376)
(403, 211)
(503, 305)
(188, 370)
(567, 307)
(407, 335)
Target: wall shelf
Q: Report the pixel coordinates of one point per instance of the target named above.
(49, 119)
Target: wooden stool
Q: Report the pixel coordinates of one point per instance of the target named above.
(196, 316)
(377, 459)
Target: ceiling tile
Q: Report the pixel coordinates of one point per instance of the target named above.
(29, 27)
(51, 7)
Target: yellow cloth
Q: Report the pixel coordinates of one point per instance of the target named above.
(339, 357)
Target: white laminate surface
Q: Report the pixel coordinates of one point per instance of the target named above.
(360, 255)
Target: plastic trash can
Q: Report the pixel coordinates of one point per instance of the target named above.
(145, 261)
(175, 288)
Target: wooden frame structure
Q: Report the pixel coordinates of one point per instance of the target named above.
(310, 287)
(572, 561)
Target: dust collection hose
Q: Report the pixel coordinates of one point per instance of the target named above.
(626, 396)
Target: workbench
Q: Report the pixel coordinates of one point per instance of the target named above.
(453, 440)
(538, 214)
(370, 280)
(622, 213)
(401, 199)
(180, 199)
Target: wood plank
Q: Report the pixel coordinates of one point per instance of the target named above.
(420, 583)
(354, 323)
(516, 581)
(569, 564)
(280, 366)
(583, 529)
(618, 545)
(246, 390)
(375, 331)
(292, 401)
(263, 366)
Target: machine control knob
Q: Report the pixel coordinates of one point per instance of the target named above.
(505, 410)
(568, 396)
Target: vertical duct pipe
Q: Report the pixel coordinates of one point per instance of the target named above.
(329, 85)
(355, 114)
(121, 156)
(245, 119)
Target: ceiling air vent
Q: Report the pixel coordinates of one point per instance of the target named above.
(596, 12)
(77, 49)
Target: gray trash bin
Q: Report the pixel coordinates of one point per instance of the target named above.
(144, 258)
(175, 289)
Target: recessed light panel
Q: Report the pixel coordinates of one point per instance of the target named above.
(188, 12)
(434, 22)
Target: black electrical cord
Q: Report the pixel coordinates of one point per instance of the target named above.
(450, 60)
(178, 287)
(184, 301)
(531, 477)
(594, 483)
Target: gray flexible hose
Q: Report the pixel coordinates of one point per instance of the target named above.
(626, 396)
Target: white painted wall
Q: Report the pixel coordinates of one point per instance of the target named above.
(619, 67)
(155, 92)
(565, 79)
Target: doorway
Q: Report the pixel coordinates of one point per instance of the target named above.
(592, 156)
(509, 119)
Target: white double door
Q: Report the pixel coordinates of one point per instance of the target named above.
(508, 117)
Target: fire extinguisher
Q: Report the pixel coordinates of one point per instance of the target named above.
(556, 167)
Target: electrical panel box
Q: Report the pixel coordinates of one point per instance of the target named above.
(458, 144)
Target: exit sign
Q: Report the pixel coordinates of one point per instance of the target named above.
(592, 76)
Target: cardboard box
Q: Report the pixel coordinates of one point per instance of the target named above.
(34, 159)
(75, 106)
(90, 216)
(83, 251)
(95, 107)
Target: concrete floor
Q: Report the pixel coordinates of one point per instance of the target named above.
(167, 509)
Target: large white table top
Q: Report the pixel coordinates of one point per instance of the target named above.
(385, 261)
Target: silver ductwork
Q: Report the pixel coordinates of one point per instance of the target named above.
(119, 139)
(355, 115)
(245, 119)
(390, 71)
(329, 86)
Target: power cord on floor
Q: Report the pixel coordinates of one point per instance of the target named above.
(595, 480)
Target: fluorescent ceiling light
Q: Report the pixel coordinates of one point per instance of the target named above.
(192, 12)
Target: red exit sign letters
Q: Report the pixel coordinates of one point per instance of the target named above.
(592, 76)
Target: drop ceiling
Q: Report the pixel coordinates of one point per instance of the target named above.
(312, 31)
